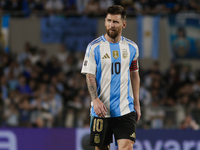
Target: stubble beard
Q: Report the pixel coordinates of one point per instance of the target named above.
(112, 35)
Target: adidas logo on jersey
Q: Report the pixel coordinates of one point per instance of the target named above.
(106, 56)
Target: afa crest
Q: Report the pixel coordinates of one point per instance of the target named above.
(96, 138)
(124, 53)
(115, 54)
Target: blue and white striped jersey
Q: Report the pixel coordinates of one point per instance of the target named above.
(110, 62)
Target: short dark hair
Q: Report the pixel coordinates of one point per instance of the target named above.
(115, 10)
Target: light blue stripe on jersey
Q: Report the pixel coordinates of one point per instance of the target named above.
(132, 50)
(115, 82)
(97, 56)
(122, 38)
(129, 41)
(98, 63)
(92, 43)
(103, 38)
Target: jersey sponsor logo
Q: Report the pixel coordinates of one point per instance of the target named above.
(124, 53)
(115, 54)
(85, 63)
(106, 56)
(133, 135)
(96, 138)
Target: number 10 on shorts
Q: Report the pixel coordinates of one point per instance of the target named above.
(98, 125)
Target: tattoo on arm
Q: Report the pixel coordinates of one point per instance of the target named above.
(92, 86)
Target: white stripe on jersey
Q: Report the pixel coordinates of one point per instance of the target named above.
(124, 107)
(106, 76)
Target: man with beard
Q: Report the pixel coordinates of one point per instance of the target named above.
(111, 68)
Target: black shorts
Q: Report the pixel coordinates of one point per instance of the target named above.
(102, 129)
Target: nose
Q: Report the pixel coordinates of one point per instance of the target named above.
(112, 25)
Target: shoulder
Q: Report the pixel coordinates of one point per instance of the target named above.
(92, 45)
(96, 42)
(130, 42)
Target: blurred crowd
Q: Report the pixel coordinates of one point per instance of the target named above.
(38, 90)
(170, 99)
(41, 91)
(95, 7)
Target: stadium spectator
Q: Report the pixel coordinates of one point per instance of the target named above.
(12, 81)
(92, 7)
(145, 96)
(186, 75)
(54, 6)
(189, 123)
(172, 78)
(4, 87)
(196, 112)
(70, 6)
(62, 54)
(70, 118)
(81, 5)
(11, 115)
(142, 6)
(104, 4)
(24, 113)
(25, 54)
(23, 87)
(155, 115)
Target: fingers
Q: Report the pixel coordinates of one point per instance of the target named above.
(101, 111)
(105, 108)
(99, 108)
(138, 118)
(98, 112)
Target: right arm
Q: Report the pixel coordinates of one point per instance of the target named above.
(99, 107)
(91, 84)
(89, 68)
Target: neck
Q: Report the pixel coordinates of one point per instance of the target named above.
(111, 40)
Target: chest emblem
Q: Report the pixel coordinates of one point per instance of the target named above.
(124, 53)
(115, 54)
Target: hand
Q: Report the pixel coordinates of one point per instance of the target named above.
(137, 109)
(99, 107)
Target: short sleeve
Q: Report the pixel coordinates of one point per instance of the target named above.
(136, 54)
(135, 64)
(89, 63)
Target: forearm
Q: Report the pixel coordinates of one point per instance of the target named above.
(135, 80)
(92, 86)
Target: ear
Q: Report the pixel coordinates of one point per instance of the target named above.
(105, 22)
(124, 24)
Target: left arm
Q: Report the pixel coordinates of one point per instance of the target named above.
(135, 81)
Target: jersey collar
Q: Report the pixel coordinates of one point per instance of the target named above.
(104, 39)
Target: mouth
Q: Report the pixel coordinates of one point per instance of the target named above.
(113, 30)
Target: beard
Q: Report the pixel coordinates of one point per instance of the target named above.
(112, 33)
